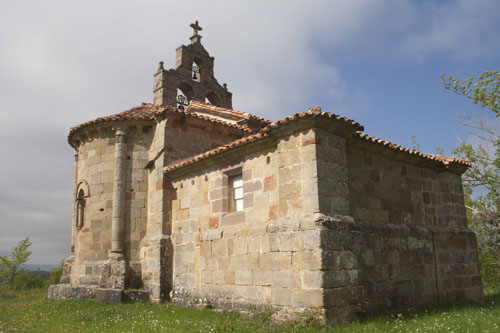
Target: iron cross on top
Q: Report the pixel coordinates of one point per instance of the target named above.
(196, 27)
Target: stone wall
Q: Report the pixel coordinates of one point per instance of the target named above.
(405, 240)
(266, 255)
(155, 250)
(145, 234)
(329, 225)
(175, 138)
(93, 239)
(138, 141)
(95, 169)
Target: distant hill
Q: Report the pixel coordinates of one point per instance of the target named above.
(44, 274)
(42, 267)
(39, 269)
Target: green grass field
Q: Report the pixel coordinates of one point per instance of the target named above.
(31, 311)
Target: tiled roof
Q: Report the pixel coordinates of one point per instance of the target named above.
(171, 109)
(216, 151)
(433, 157)
(312, 112)
(264, 132)
(244, 115)
(143, 112)
(147, 111)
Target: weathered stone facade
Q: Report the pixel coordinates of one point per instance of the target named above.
(215, 206)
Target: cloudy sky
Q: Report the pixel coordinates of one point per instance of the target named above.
(66, 62)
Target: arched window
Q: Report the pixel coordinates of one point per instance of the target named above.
(184, 95)
(80, 209)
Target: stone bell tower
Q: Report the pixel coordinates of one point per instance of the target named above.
(192, 79)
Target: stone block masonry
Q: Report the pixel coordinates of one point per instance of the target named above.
(212, 206)
(331, 228)
(328, 224)
(255, 257)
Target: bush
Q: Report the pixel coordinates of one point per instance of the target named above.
(55, 275)
(488, 242)
(26, 280)
(490, 270)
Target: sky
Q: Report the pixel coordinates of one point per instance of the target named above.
(66, 62)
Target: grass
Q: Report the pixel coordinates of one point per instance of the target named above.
(31, 311)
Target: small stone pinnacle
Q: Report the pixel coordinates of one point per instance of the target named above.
(316, 109)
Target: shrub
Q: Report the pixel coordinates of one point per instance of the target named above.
(55, 275)
(27, 280)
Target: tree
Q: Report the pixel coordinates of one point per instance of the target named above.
(482, 179)
(485, 90)
(9, 268)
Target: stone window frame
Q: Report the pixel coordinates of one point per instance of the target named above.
(235, 199)
(82, 193)
(80, 209)
(228, 216)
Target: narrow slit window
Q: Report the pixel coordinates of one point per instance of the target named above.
(80, 209)
(236, 193)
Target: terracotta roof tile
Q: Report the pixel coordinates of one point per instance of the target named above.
(171, 109)
(147, 111)
(216, 151)
(244, 115)
(433, 157)
(143, 112)
(264, 132)
(312, 112)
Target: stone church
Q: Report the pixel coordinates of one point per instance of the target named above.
(190, 201)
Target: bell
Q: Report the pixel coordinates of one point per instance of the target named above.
(195, 72)
(181, 102)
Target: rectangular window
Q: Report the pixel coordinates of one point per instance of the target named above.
(236, 193)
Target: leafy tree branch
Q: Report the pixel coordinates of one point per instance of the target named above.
(482, 180)
(483, 90)
(9, 268)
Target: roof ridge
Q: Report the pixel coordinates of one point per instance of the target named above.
(440, 158)
(149, 111)
(169, 108)
(314, 111)
(237, 113)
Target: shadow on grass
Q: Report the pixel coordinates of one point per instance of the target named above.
(491, 300)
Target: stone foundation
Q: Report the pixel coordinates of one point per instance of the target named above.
(111, 296)
(65, 291)
(335, 267)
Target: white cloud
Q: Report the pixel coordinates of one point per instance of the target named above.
(465, 29)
